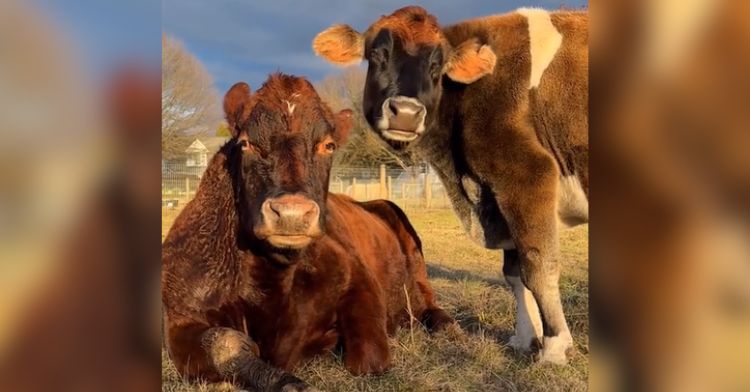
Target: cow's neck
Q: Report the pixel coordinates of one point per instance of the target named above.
(443, 148)
(274, 271)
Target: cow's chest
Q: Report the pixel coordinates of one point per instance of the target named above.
(293, 322)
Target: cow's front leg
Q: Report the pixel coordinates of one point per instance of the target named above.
(527, 198)
(362, 324)
(528, 332)
(534, 226)
(225, 354)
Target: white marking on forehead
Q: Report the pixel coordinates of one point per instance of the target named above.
(544, 41)
(289, 105)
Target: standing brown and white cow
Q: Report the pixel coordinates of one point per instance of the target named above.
(264, 269)
(499, 108)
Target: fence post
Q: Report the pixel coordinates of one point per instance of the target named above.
(383, 188)
(427, 190)
(354, 187)
(403, 191)
(187, 187)
(341, 186)
(390, 188)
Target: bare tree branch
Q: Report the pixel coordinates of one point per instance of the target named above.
(190, 103)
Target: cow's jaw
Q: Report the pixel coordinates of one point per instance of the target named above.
(294, 242)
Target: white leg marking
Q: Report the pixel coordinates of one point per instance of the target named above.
(555, 347)
(572, 203)
(544, 41)
(528, 319)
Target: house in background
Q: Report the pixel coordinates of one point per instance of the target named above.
(181, 171)
(200, 151)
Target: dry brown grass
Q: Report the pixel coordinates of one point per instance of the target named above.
(469, 285)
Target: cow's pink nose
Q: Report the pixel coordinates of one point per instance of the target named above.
(405, 114)
(290, 215)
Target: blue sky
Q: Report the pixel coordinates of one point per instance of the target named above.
(246, 40)
(238, 39)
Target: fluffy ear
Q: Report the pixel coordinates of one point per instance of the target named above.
(470, 61)
(343, 122)
(237, 106)
(340, 44)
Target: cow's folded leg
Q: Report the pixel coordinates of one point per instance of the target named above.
(362, 323)
(225, 354)
(235, 357)
(528, 332)
(366, 351)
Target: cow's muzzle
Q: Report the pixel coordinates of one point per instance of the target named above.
(403, 119)
(289, 221)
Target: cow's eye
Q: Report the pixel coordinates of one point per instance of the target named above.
(379, 56)
(248, 147)
(436, 69)
(330, 147)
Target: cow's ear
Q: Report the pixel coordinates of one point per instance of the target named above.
(344, 122)
(237, 107)
(470, 61)
(340, 44)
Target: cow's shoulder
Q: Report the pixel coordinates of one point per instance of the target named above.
(395, 218)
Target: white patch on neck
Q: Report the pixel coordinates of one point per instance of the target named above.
(544, 41)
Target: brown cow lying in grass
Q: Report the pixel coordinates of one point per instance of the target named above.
(264, 269)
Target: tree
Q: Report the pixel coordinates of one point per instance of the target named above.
(344, 91)
(189, 102)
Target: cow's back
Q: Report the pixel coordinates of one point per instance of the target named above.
(541, 74)
(537, 97)
(380, 235)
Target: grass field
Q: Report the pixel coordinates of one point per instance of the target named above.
(469, 285)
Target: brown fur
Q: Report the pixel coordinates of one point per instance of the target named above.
(230, 310)
(412, 24)
(536, 136)
(503, 149)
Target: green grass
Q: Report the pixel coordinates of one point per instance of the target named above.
(469, 285)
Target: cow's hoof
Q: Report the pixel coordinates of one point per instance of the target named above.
(437, 320)
(524, 344)
(371, 365)
(555, 350)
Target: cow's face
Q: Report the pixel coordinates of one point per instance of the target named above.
(408, 56)
(286, 137)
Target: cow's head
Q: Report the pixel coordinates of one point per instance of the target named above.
(285, 140)
(408, 56)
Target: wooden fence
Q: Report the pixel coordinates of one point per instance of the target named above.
(412, 187)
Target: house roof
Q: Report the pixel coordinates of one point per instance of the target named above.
(213, 143)
(208, 144)
(196, 146)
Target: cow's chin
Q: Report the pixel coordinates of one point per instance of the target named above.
(289, 242)
(399, 140)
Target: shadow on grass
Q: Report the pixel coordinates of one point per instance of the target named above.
(458, 275)
(466, 317)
